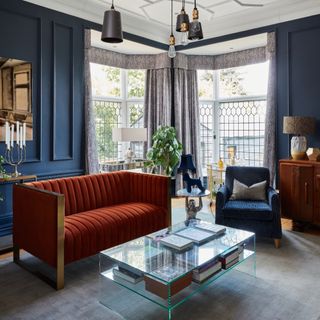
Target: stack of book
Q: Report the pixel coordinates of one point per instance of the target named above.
(128, 273)
(206, 271)
(167, 273)
(177, 243)
(229, 258)
(216, 229)
(196, 235)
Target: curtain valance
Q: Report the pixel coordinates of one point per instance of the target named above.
(129, 61)
(221, 61)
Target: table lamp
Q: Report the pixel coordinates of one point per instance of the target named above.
(186, 164)
(129, 135)
(299, 127)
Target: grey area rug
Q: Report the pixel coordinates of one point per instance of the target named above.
(287, 286)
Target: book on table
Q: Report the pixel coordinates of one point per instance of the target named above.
(167, 274)
(127, 275)
(206, 271)
(230, 257)
(214, 228)
(196, 235)
(177, 243)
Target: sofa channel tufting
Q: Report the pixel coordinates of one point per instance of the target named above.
(63, 220)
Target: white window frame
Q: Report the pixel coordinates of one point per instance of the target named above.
(215, 102)
(125, 105)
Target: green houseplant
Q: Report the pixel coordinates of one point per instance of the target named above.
(166, 150)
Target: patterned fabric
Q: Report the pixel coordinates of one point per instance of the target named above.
(129, 61)
(157, 101)
(222, 61)
(269, 156)
(91, 149)
(187, 115)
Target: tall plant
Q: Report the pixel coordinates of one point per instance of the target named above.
(166, 150)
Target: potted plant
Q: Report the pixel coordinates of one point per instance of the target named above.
(165, 152)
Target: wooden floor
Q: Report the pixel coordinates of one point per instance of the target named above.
(179, 203)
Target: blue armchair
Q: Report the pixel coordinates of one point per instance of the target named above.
(261, 217)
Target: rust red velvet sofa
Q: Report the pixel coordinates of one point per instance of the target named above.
(64, 220)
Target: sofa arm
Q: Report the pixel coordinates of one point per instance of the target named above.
(38, 223)
(221, 199)
(153, 189)
(273, 199)
(274, 203)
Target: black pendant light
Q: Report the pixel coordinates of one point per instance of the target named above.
(182, 20)
(112, 29)
(195, 28)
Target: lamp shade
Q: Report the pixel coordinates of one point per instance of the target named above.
(112, 28)
(182, 22)
(129, 134)
(299, 125)
(186, 164)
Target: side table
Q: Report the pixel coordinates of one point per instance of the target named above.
(190, 205)
(5, 214)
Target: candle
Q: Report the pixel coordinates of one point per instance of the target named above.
(6, 133)
(24, 133)
(12, 137)
(18, 133)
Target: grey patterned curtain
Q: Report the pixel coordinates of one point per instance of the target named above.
(269, 158)
(187, 116)
(157, 101)
(91, 149)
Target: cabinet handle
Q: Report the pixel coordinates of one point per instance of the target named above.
(306, 192)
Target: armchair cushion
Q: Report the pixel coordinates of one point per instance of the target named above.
(256, 191)
(247, 210)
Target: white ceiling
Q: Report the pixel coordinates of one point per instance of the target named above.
(128, 47)
(151, 18)
(256, 41)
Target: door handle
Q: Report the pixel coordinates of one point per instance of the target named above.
(306, 192)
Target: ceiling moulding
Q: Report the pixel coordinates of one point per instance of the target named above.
(272, 13)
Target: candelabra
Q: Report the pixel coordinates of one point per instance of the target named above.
(14, 156)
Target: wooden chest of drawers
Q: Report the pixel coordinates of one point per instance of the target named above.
(300, 190)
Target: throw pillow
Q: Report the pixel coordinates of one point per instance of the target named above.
(256, 191)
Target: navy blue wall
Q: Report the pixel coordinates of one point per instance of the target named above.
(53, 42)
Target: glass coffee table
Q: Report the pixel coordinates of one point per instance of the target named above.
(169, 277)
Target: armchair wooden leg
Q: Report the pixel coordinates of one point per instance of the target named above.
(16, 253)
(277, 243)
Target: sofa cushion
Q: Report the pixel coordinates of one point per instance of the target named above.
(255, 192)
(251, 210)
(89, 232)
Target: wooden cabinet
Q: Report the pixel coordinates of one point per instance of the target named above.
(300, 190)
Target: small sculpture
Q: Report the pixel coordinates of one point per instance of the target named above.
(192, 182)
(192, 210)
(313, 154)
(129, 155)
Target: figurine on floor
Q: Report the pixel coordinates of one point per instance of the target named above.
(192, 182)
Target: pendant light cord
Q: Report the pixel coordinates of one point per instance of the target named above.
(171, 17)
(112, 6)
(195, 4)
(183, 4)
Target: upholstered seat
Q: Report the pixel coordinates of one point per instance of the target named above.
(91, 231)
(261, 217)
(251, 210)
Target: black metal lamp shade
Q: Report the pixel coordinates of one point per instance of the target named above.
(182, 22)
(186, 164)
(195, 30)
(112, 28)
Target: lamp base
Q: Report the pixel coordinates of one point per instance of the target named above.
(298, 156)
(298, 147)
